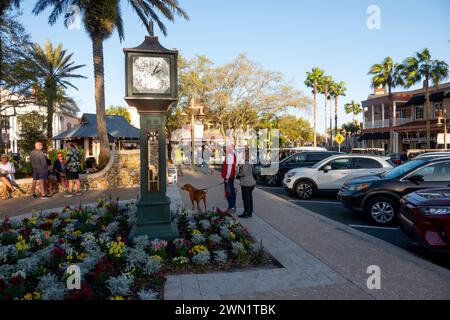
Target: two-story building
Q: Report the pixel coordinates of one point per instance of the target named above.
(64, 118)
(407, 120)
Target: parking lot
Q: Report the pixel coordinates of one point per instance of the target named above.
(328, 206)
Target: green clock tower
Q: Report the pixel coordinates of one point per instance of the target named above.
(151, 87)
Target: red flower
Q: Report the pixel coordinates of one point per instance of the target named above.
(53, 216)
(6, 226)
(16, 281)
(3, 284)
(85, 293)
(45, 226)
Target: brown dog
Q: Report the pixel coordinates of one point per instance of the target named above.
(195, 195)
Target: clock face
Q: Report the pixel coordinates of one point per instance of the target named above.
(151, 75)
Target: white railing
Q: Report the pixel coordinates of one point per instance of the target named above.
(400, 121)
(377, 124)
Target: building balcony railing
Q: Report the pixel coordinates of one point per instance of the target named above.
(400, 121)
(377, 124)
(385, 123)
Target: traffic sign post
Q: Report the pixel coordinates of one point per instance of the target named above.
(339, 139)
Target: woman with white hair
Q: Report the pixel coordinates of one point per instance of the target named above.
(7, 171)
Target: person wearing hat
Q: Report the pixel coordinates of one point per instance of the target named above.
(7, 171)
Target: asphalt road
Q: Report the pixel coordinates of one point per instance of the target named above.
(328, 206)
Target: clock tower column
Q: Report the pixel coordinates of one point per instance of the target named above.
(151, 87)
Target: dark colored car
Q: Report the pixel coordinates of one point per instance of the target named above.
(298, 160)
(424, 219)
(379, 195)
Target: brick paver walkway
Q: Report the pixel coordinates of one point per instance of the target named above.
(321, 259)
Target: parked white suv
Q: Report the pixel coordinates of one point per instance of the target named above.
(330, 174)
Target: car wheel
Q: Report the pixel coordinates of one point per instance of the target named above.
(382, 211)
(271, 181)
(304, 190)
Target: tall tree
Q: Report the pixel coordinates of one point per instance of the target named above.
(387, 74)
(313, 78)
(5, 5)
(101, 18)
(324, 86)
(337, 89)
(421, 67)
(31, 130)
(353, 108)
(51, 67)
(119, 111)
(242, 92)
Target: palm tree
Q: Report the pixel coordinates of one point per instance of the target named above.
(313, 79)
(101, 18)
(8, 4)
(337, 89)
(324, 85)
(51, 67)
(419, 68)
(354, 108)
(387, 74)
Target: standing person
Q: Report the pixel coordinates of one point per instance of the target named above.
(228, 175)
(247, 185)
(404, 156)
(7, 171)
(73, 164)
(206, 159)
(59, 168)
(179, 160)
(40, 170)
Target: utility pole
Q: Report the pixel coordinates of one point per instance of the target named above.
(193, 108)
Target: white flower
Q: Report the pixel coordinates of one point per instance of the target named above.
(120, 285)
(51, 288)
(215, 238)
(237, 248)
(220, 256)
(147, 294)
(198, 238)
(202, 258)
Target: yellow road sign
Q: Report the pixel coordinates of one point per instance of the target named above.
(339, 139)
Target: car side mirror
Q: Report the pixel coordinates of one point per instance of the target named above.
(416, 178)
(326, 169)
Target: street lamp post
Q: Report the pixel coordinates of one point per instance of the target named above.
(152, 87)
(193, 108)
(443, 115)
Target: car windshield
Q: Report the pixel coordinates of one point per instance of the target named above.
(400, 170)
(320, 163)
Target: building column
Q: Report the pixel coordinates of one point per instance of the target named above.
(382, 115)
(86, 148)
(373, 116)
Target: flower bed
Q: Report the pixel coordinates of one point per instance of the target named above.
(35, 253)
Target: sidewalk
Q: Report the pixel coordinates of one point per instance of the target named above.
(322, 259)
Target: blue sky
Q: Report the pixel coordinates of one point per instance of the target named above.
(290, 36)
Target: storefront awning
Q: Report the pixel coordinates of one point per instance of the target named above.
(375, 136)
(416, 100)
(448, 95)
(437, 96)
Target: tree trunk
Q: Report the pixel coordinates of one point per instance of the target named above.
(50, 88)
(391, 118)
(335, 114)
(331, 123)
(97, 43)
(315, 113)
(325, 95)
(428, 112)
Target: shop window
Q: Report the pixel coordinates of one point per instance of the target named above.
(419, 112)
(438, 110)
